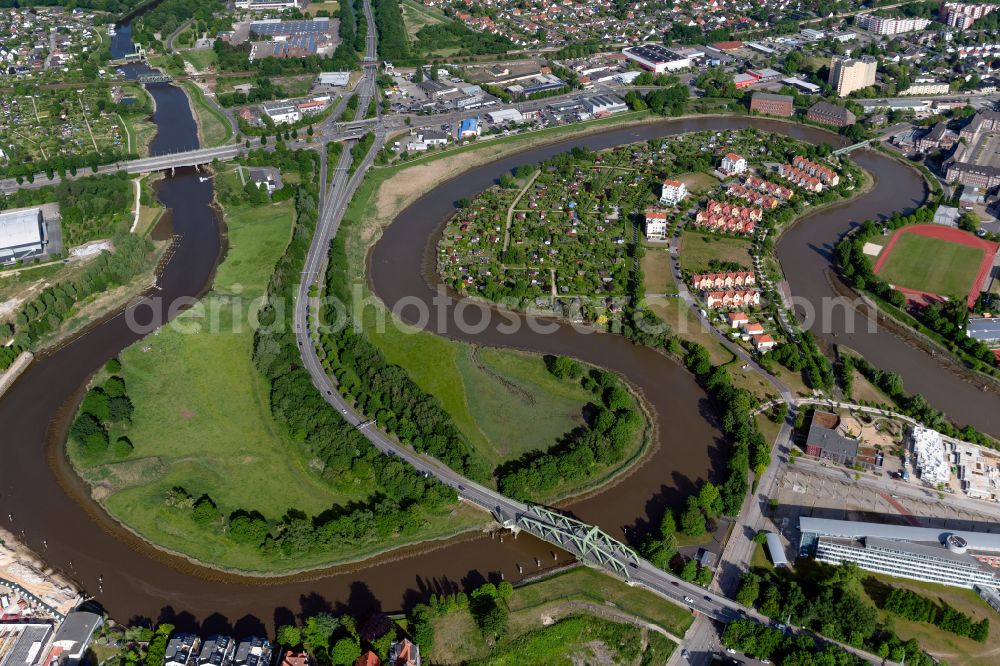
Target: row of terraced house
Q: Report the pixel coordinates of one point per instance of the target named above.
(728, 218)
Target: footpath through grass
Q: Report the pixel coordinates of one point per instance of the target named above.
(555, 621)
(931, 265)
(213, 126)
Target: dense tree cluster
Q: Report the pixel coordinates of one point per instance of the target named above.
(770, 643)
(236, 59)
(90, 208)
(386, 393)
(45, 313)
(455, 35)
(583, 453)
(488, 605)
(398, 506)
(103, 407)
(916, 607)
(393, 42)
(339, 640)
(165, 17)
(748, 448)
(822, 598)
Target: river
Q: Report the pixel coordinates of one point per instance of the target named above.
(48, 502)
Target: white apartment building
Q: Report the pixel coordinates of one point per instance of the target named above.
(656, 225)
(884, 25)
(733, 164)
(673, 192)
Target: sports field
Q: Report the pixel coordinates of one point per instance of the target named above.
(932, 259)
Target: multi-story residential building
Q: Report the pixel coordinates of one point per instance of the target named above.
(656, 225)
(262, 5)
(830, 114)
(772, 105)
(850, 74)
(885, 25)
(733, 164)
(962, 15)
(673, 192)
(948, 557)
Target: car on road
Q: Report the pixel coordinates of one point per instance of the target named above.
(675, 583)
(708, 598)
(685, 653)
(730, 650)
(688, 599)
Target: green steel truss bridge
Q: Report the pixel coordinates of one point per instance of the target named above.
(586, 542)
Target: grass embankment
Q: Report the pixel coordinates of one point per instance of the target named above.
(139, 130)
(944, 646)
(931, 265)
(697, 249)
(213, 127)
(553, 620)
(534, 408)
(202, 421)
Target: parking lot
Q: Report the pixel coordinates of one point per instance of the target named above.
(833, 492)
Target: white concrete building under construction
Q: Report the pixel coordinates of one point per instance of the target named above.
(947, 557)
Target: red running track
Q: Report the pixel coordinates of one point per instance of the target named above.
(952, 235)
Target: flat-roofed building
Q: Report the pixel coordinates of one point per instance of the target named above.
(888, 25)
(850, 74)
(278, 28)
(336, 79)
(772, 105)
(657, 58)
(262, 5)
(984, 329)
(282, 113)
(22, 234)
(948, 557)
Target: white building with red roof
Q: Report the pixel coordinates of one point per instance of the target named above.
(673, 192)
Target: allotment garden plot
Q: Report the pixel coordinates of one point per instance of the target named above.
(47, 125)
(564, 233)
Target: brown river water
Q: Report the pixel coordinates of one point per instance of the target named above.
(47, 502)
